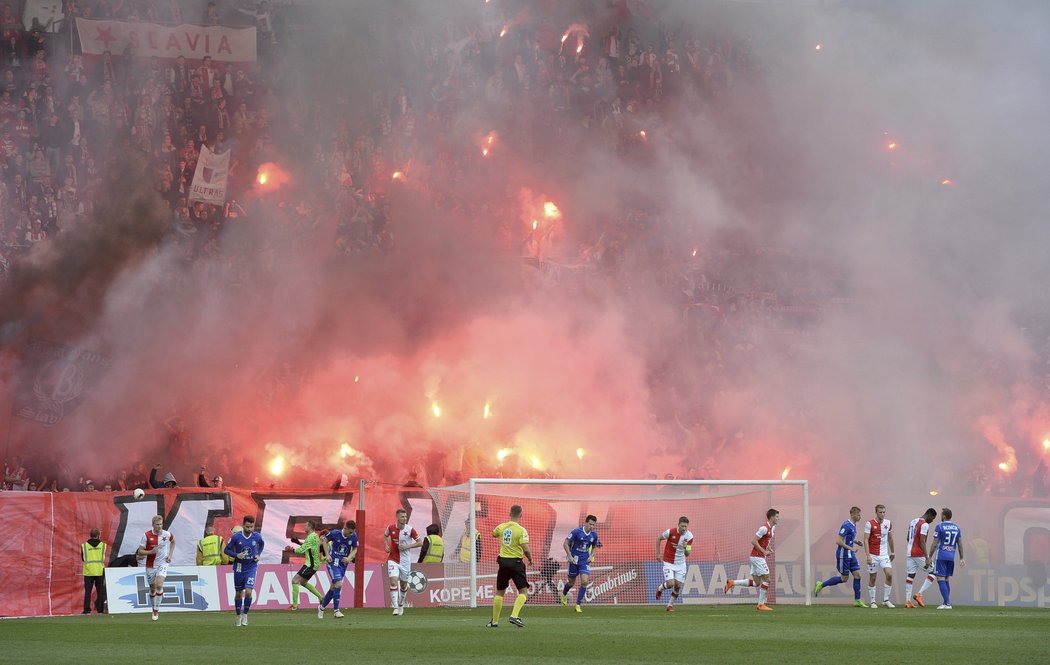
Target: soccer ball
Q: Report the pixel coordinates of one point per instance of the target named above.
(418, 582)
(138, 494)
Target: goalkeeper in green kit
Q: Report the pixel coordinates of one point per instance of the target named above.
(311, 550)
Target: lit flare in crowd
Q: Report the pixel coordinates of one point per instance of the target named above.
(642, 134)
(398, 175)
(695, 250)
(579, 49)
(784, 475)
(277, 465)
(502, 454)
(580, 452)
(564, 37)
(934, 492)
(346, 451)
(535, 224)
(536, 462)
(551, 210)
(263, 177)
(356, 379)
(270, 176)
(503, 32)
(892, 145)
(1046, 444)
(818, 47)
(488, 411)
(436, 408)
(948, 182)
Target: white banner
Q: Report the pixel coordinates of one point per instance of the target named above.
(193, 42)
(47, 14)
(209, 180)
(186, 589)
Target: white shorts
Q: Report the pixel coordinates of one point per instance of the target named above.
(398, 570)
(917, 564)
(759, 566)
(674, 571)
(158, 570)
(879, 561)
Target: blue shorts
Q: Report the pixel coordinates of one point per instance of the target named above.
(846, 562)
(336, 573)
(579, 569)
(944, 567)
(244, 579)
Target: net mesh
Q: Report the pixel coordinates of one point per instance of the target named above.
(627, 568)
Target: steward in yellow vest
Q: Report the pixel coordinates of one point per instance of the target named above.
(93, 554)
(464, 544)
(433, 550)
(209, 549)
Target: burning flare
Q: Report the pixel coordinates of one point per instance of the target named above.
(784, 475)
(277, 465)
(436, 408)
(580, 452)
(502, 454)
(488, 411)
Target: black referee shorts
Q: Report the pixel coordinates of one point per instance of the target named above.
(511, 570)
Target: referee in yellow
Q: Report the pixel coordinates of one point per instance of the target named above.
(514, 544)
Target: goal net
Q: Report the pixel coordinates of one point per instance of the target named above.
(723, 516)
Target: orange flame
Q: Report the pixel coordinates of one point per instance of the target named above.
(436, 408)
(892, 145)
(277, 465)
(1046, 443)
(564, 37)
(484, 152)
(819, 47)
(262, 177)
(948, 182)
(550, 210)
(934, 492)
(579, 49)
(580, 452)
(398, 175)
(503, 32)
(502, 454)
(642, 134)
(784, 475)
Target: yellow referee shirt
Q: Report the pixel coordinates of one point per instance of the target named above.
(511, 537)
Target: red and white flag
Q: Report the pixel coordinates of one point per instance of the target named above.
(193, 42)
(209, 180)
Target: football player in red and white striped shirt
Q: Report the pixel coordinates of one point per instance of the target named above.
(761, 547)
(878, 544)
(673, 553)
(917, 531)
(158, 546)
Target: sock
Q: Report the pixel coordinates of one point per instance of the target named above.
(295, 595)
(926, 584)
(393, 596)
(237, 603)
(152, 603)
(401, 597)
(158, 600)
(312, 589)
(743, 582)
(886, 590)
(328, 597)
(519, 603)
(908, 584)
(856, 588)
(565, 589)
(946, 591)
(762, 591)
(247, 602)
(580, 594)
(831, 581)
(336, 594)
(871, 593)
(497, 607)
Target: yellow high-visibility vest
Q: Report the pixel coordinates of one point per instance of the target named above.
(209, 550)
(94, 559)
(464, 546)
(436, 550)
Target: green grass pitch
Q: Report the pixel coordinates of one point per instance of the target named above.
(692, 634)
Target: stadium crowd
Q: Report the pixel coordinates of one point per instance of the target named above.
(65, 119)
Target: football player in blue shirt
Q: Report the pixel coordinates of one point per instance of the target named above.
(846, 558)
(579, 550)
(947, 538)
(342, 548)
(244, 549)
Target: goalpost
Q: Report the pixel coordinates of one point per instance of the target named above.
(632, 514)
